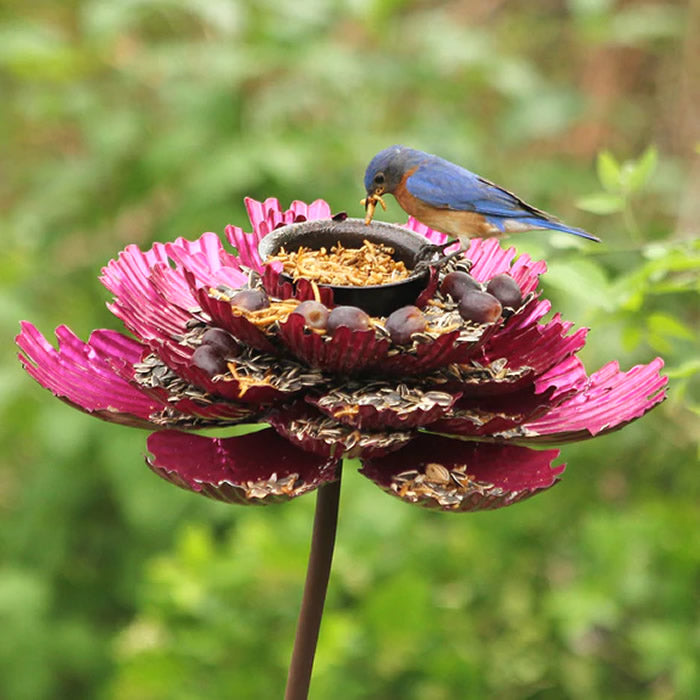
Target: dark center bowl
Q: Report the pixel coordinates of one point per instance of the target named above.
(377, 299)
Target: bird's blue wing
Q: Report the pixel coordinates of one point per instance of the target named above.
(448, 186)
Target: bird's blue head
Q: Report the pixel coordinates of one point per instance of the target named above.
(386, 169)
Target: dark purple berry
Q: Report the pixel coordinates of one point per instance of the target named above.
(404, 322)
(479, 307)
(349, 316)
(457, 284)
(250, 299)
(210, 360)
(314, 312)
(222, 341)
(506, 290)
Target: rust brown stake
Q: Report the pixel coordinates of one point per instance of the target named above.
(317, 573)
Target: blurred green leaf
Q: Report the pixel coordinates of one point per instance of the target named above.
(646, 21)
(602, 203)
(631, 337)
(669, 327)
(608, 171)
(642, 170)
(583, 280)
(687, 369)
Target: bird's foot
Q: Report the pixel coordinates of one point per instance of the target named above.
(425, 257)
(370, 204)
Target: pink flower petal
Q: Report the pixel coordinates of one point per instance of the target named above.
(318, 209)
(433, 236)
(84, 374)
(610, 400)
(530, 351)
(142, 307)
(276, 286)
(246, 245)
(446, 349)
(491, 259)
(258, 468)
(238, 325)
(347, 351)
(268, 215)
(454, 475)
(206, 259)
(491, 414)
(265, 217)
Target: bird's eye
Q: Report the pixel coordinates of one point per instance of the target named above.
(379, 179)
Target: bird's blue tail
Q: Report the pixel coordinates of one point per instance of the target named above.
(537, 222)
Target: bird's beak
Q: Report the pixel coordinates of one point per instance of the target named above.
(370, 203)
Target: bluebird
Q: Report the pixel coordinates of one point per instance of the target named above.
(451, 199)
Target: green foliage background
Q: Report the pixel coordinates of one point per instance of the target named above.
(144, 120)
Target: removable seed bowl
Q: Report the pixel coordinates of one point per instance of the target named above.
(378, 299)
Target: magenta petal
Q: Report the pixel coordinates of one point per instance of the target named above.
(86, 375)
(564, 378)
(347, 351)
(318, 209)
(265, 217)
(453, 475)
(491, 414)
(610, 400)
(268, 215)
(527, 353)
(221, 313)
(490, 259)
(246, 245)
(258, 468)
(142, 307)
(217, 412)
(277, 286)
(433, 236)
(228, 387)
(206, 259)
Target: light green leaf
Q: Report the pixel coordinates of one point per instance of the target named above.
(642, 169)
(608, 171)
(685, 370)
(669, 327)
(631, 338)
(660, 344)
(602, 203)
(583, 280)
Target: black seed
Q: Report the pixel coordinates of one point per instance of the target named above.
(209, 359)
(404, 322)
(506, 290)
(479, 307)
(250, 299)
(349, 316)
(315, 314)
(457, 284)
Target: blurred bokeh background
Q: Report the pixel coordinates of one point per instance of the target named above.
(144, 120)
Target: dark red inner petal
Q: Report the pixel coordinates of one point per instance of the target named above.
(505, 466)
(346, 351)
(199, 460)
(493, 414)
(239, 326)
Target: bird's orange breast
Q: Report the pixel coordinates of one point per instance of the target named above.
(450, 221)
